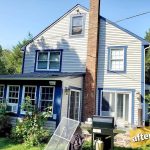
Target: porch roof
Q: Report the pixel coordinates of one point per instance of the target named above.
(41, 76)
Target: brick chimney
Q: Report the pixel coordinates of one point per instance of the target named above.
(89, 104)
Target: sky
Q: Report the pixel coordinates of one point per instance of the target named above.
(19, 17)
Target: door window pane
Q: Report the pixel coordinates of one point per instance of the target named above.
(126, 107)
(74, 105)
(120, 106)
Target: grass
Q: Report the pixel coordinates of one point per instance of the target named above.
(7, 144)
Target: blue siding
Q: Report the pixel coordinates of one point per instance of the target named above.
(57, 102)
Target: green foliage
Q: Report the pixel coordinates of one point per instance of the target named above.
(5, 126)
(147, 59)
(11, 60)
(31, 129)
(86, 145)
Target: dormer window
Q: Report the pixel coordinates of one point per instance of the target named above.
(77, 25)
(48, 60)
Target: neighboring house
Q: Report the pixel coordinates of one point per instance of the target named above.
(54, 67)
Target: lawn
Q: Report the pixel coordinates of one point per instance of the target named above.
(7, 144)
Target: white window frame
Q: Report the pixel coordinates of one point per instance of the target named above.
(110, 58)
(23, 94)
(48, 60)
(1, 98)
(7, 97)
(83, 24)
(115, 113)
(40, 93)
(79, 109)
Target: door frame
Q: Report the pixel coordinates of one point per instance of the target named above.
(79, 111)
(121, 91)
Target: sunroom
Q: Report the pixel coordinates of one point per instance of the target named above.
(61, 91)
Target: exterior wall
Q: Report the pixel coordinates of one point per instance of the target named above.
(76, 83)
(131, 79)
(56, 102)
(57, 37)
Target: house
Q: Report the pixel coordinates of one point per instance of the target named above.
(55, 66)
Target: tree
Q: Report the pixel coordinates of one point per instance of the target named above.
(11, 60)
(2, 64)
(147, 59)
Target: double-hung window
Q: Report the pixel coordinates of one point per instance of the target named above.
(46, 97)
(1, 93)
(12, 98)
(77, 25)
(29, 92)
(48, 60)
(117, 59)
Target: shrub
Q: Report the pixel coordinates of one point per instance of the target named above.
(30, 130)
(5, 125)
(86, 145)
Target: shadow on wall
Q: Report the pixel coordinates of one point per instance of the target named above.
(71, 61)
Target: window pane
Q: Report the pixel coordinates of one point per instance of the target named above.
(112, 97)
(76, 30)
(117, 59)
(43, 56)
(74, 105)
(77, 21)
(105, 101)
(126, 107)
(55, 56)
(77, 25)
(13, 94)
(46, 97)
(1, 91)
(120, 106)
(54, 65)
(42, 65)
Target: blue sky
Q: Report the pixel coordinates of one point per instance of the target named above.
(19, 17)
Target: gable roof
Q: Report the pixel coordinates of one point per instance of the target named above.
(127, 31)
(144, 42)
(43, 31)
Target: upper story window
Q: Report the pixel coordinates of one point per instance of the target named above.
(77, 25)
(117, 59)
(48, 60)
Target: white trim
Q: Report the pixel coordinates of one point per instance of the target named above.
(3, 90)
(79, 107)
(110, 59)
(48, 60)
(39, 102)
(83, 15)
(23, 92)
(7, 97)
(116, 99)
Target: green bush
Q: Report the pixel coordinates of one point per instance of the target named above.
(30, 130)
(86, 145)
(5, 126)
